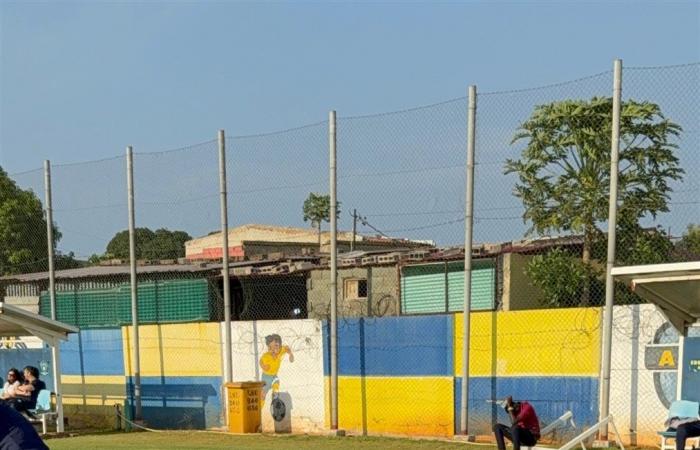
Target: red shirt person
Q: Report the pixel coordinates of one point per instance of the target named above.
(525, 429)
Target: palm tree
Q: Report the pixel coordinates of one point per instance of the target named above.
(317, 210)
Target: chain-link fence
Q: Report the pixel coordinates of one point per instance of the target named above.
(541, 183)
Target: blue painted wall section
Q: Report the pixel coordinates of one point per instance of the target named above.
(551, 397)
(19, 358)
(102, 353)
(393, 346)
(690, 384)
(179, 402)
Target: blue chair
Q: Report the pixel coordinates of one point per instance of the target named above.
(43, 410)
(680, 408)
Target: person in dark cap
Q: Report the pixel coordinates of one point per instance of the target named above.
(16, 433)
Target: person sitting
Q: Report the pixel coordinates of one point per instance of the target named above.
(14, 380)
(27, 393)
(525, 428)
(685, 427)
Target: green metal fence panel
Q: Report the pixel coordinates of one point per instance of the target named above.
(483, 286)
(85, 309)
(175, 301)
(435, 288)
(423, 289)
(168, 301)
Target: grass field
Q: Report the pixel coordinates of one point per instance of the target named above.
(201, 441)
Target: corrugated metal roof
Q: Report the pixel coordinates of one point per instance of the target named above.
(107, 271)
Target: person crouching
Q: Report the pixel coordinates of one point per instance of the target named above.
(525, 429)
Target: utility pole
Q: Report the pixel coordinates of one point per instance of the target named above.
(354, 229)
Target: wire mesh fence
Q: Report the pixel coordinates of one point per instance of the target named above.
(538, 264)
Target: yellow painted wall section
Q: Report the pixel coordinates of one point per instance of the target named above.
(105, 390)
(184, 349)
(420, 406)
(482, 326)
(562, 342)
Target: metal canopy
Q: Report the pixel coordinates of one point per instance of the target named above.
(674, 288)
(16, 321)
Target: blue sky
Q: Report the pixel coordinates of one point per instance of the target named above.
(83, 80)
(80, 81)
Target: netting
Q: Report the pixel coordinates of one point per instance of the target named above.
(542, 161)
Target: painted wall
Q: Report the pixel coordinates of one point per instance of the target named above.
(22, 357)
(300, 381)
(395, 375)
(180, 374)
(691, 366)
(643, 372)
(547, 357)
(92, 377)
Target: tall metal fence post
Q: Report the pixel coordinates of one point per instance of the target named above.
(334, 271)
(55, 349)
(228, 364)
(612, 222)
(134, 285)
(468, 235)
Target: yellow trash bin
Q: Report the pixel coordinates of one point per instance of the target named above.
(244, 406)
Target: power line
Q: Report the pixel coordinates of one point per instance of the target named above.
(363, 221)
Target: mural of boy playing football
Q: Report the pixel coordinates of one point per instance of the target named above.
(270, 363)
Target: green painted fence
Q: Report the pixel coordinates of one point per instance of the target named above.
(168, 301)
(439, 287)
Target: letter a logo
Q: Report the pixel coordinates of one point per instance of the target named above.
(666, 359)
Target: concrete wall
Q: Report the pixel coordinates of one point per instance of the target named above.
(300, 381)
(205, 246)
(518, 291)
(93, 378)
(402, 375)
(181, 371)
(396, 374)
(382, 297)
(644, 372)
(547, 357)
(28, 302)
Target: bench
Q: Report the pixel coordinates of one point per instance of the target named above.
(592, 431)
(43, 411)
(680, 408)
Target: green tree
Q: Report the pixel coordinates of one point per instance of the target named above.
(63, 261)
(166, 244)
(564, 289)
(161, 244)
(563, 172)
(688, 247)
(23, 242)
(118, 246)
(317, 209)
